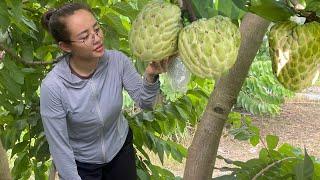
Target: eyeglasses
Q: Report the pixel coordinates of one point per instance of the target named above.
(88, 40)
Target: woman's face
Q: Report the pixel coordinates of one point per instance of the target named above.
(86, 36)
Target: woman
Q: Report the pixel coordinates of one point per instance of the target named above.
(81, 99)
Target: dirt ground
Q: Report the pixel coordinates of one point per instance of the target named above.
(298, 124)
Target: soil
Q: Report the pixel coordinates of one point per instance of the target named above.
(298, 124)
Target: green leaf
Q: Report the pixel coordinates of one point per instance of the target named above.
(304, 169)
(313, 5)
(198, 93)
(148, 116)
(42, 153)
(40, 172)
(29, 23)
(203, 8)
(264, 155)
(272, 141)
(172, 123)
(242, 135)
(31, 85)
(286, 149)
(149, 140)
(125, 9)
(21, 124)
(11, 86)
(112, 38)
(142, 175)
(271, 10)
(229, 9)
(4, 15)
(114, 21)
(182, 125)
(141, 66)
(142, 3)
(21, 164)
(160, 151)
(14, 72)
(316, 170)
(19, 147)
(183, 151)
(160, 173)
(42, 51)
(27, 53)
(254, 140)
(8, 119)
(242, 4)
(16, 8)
(170, 110)
(176, 155)
(182, 113)
(19, 109)
(155, 125)
(22, 27)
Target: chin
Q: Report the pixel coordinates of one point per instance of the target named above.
(99, 54)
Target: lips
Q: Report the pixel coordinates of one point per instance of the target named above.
(99, 48)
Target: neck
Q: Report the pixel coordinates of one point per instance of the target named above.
(83, 67)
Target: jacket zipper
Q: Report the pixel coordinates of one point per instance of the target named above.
(101, 119)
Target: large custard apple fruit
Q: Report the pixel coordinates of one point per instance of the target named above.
(295, 53)
(209, 47)
(154, 33)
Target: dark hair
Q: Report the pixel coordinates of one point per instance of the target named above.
(53, 21)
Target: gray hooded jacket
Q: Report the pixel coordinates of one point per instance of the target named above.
(82, 118)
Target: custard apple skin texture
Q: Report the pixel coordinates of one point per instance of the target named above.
(295, 53)
(154, 33)
(209, 47)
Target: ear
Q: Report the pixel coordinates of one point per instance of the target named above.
(65, 46)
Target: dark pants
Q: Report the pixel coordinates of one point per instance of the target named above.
(121, 167)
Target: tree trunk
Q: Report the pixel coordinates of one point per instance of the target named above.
(203, 150)
(4, 165)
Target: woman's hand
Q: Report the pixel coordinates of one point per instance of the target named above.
(158, 67)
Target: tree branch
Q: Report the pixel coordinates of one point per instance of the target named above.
(297, 5)
(4, 164)
(270, 166)
(188, 6)
(24, 61)
(203, 150)
(181, 4)
(300, 10)
(225, 169)
(52, 173)
(228, 161)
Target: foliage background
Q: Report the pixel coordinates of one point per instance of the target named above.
(29, 55)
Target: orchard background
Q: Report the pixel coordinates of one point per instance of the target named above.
(207, 107)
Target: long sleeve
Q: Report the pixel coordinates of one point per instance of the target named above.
(140, 90)
(55, 127)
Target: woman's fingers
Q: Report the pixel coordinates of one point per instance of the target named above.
(156, 66)
(161, 66)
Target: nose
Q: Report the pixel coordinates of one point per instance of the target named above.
(95, 38)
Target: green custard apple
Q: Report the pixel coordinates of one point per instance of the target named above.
(154, 33)
(295, 53)
(209, 47)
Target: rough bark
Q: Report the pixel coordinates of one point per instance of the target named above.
(203, 150)
(53, 172)
(4, 165)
